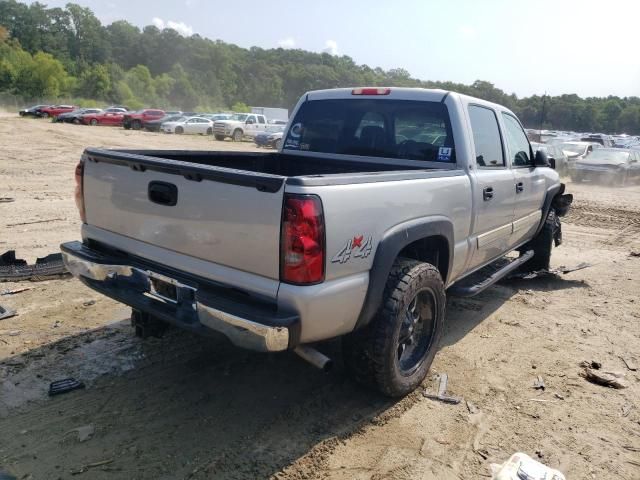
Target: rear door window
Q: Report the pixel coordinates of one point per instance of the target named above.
(486, 137)
(403, 129)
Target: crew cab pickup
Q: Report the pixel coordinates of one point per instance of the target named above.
(380, 202)
(239, 126)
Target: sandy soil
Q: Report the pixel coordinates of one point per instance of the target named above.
(187, 407)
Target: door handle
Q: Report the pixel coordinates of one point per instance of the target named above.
(519, 187)
(163, 193)
(487, 193)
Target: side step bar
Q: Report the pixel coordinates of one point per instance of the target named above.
(487, 276)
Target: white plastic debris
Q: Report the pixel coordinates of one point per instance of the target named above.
(522, 467)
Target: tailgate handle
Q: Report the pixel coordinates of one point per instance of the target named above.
(163, 193)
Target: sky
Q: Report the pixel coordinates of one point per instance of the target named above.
(525, 47)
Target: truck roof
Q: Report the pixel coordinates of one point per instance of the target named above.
(400, 93)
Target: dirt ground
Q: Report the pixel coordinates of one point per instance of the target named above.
(188, 407)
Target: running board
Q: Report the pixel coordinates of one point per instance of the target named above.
(487, 276)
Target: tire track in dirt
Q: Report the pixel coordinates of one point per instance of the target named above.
(603, 217)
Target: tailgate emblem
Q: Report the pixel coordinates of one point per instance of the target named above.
(354, 248)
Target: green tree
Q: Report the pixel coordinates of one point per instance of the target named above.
(95, 82)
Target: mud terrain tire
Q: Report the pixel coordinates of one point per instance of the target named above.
(374, 355)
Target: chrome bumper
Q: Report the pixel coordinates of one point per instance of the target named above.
(135, 285)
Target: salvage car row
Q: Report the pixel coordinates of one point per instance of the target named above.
(236, 126)
(591, 157)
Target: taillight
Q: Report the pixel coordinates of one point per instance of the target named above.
(79, 194)
(371, 91)
(302, 240)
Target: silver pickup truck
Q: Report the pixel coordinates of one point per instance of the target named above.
(379, 203)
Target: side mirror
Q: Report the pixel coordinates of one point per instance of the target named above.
(541, 159)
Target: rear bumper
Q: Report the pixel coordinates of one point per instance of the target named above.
(198, 305)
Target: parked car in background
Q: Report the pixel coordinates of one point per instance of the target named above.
(189, 126)
(557, 158)
(137, 120)
(272, 138)
(174, 112)
(113, 119)
(611, 166)
(154, 125)
(239, 126)
(603, 140)
(32, 111)
(272, 113)
(74, 115)
(55, 110)
(217, 116)
(577, 150)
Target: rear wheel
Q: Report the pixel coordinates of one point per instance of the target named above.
(76, 121)
(45, 115)
(237, 135)
(136, 124)
(219, 137)
(209, 131)
(179, 130)
(94, 122)
(278, 144)
(394, 352)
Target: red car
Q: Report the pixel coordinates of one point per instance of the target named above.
(103, 118)
(136, 120)
(55, 110)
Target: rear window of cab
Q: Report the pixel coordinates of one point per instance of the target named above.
(402, 129)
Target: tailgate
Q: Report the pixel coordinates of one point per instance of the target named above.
(229, 217)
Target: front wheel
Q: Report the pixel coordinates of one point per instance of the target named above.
(394, 352)
(542, 244)
(45, 115)
(220, 138)
(209, 131)
(94, 122)
(136, 125)
(237, 136)
(179, 130)
(278, 144)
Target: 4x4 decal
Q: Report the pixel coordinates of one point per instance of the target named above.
(356, 247)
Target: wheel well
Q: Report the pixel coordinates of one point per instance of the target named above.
(433, 250)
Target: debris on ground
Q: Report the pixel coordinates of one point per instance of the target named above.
(521, 466)
(626, 409)
(14, 269)
(89, 466)
(88, 303)
(629, 363)
(606, 379)
(592, 364)
(6, 312)
(538, 384)
(7, 199)
(472, 408)
(558, 396)
(63, 386)
(442, 392)
(634, 254)
(14, 291)
(83, 433)
(36, 221)
(554, 272)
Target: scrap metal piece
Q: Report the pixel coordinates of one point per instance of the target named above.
(442, 392)
(63, 386)
(6, 313)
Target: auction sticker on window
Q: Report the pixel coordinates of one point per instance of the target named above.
(444, 154)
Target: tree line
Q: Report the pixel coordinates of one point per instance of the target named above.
(67, 53)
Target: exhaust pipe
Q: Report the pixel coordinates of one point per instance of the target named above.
(314, 357)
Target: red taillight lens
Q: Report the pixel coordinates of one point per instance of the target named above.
(302, 240)
(79, 194)
(371, 91)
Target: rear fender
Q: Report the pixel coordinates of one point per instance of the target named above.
(387, 251)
